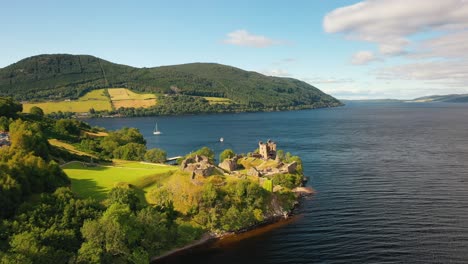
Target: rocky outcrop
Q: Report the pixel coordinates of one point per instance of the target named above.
(254, 172)
(303, 191)
(291, 167)
(229, 164)
(277, 188)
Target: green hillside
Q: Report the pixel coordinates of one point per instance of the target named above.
(62, 76)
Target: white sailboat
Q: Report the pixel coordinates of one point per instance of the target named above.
(156, 130)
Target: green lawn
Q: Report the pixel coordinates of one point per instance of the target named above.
(96, 181)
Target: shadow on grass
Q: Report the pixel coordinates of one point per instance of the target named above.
(152, 179)
(86, 188)
(77, 165)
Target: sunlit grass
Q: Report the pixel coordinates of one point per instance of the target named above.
(97, 181)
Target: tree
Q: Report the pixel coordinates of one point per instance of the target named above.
(111, 238)
(226, 154)
(35, 110)
(68, 127)
(26, 136)
(116, 139)
(161, 198)
(4, 123)
(130, 151)
(156, 155)
(9, 107)
(126, 196)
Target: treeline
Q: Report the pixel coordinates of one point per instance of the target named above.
(184, 104)
(126, 143)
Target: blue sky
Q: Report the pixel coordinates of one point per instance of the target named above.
(350, 49)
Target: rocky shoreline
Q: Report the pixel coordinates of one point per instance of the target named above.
(208, 239)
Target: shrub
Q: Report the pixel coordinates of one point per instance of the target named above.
(226, 154)
(155, 155)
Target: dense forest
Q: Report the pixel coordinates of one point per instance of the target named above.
(62, 76)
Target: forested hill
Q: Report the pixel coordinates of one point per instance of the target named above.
(62, 76)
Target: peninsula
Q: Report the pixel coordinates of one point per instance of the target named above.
(74, 193)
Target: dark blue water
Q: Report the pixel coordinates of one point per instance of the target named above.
(392, 180)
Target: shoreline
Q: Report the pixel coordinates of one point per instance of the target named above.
(208, 113)
(210, 240)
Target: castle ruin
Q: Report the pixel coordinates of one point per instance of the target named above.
(267, 150)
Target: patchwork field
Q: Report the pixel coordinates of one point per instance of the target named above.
(122, 97)
(218, 100)
(96, 182)
(96, 99)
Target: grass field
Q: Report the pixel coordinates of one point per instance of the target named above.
(122, 97)
(70, 148)
(96, 182)
(218, 100)
(95, 99)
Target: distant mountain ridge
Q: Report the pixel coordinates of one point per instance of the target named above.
(64, 76)
(450, 98)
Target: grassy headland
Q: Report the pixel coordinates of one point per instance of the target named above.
(109, 202)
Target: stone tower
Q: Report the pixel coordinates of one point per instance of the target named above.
(267, 150)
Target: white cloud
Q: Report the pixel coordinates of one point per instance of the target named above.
(363, 57)
(431, 34)
(389, 23)
(449, 73)
(451, 46)
(242, 37)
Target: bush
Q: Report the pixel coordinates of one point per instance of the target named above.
(287, 180)
(35, 110)
(205, 151)
(155, 155)
(226, 154)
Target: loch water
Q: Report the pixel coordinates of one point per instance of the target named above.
(391, 180)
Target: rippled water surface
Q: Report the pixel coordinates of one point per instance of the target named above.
(391, 180)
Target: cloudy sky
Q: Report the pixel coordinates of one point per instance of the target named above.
(350, 49)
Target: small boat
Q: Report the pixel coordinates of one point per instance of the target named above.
(221, 140)
(156, 130)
